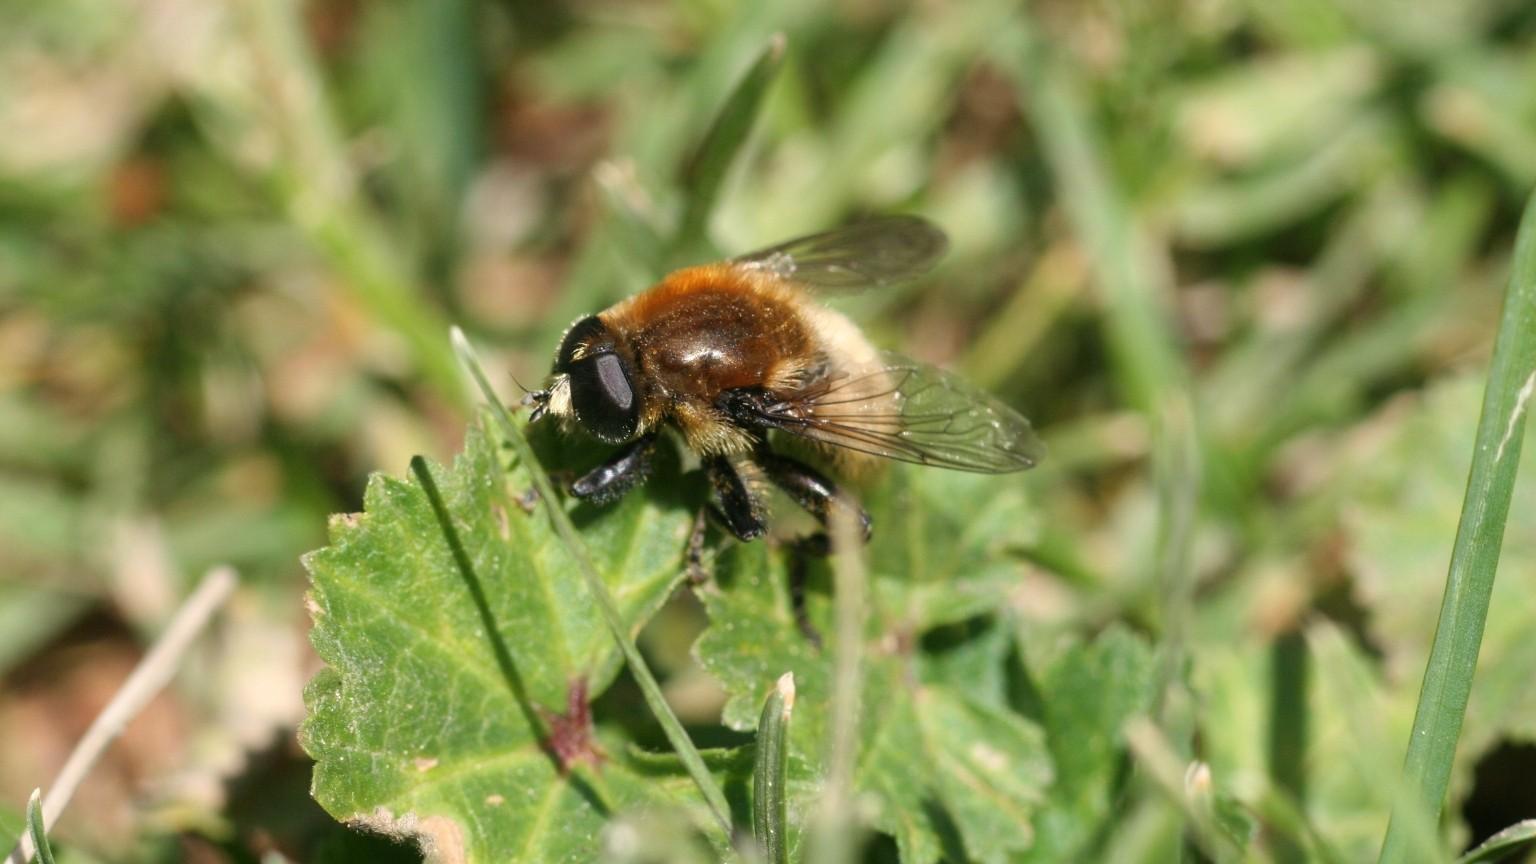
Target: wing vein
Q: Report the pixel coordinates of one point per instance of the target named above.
(909, 412)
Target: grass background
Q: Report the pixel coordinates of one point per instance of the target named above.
(1240, 261)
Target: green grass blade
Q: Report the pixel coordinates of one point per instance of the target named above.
(705, 170)
(35, 828)
(1475, 557)
(1513, 839)
(673, 728)
(769, 809)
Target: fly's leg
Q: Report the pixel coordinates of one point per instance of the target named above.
(735, 503)
(627, 469)
(810, 489)
(799, 575)
(695, 571)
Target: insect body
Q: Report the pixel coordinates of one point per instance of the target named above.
(726, 353)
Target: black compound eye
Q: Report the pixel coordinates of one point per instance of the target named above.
(610, 374)
(590, 332)
(604, 400)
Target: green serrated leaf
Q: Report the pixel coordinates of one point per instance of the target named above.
(947, 772)
(457, 684)
(1088, 694)
(753, 638)
(932, 526)
(973, 655)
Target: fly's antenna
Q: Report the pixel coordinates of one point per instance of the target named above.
(539, 399)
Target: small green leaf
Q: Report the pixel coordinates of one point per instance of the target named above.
(40, 845)
(769, 823)
(1087, 695)
(947, 772)
(1503, 844)
(462, 652)
(932, 526)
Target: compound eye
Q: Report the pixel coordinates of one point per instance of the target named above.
(604, 400)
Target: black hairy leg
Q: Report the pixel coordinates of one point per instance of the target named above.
(809, 488)
(735, 503)
(627, 469)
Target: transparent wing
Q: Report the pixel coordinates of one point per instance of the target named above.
(863, 255)
(911, 412)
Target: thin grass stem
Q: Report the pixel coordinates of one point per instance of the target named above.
(833, 840)
(147, 679)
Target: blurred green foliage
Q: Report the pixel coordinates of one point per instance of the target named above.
(1237, 259)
